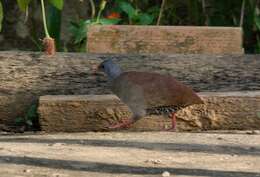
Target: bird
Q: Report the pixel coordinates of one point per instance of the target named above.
(147, 93)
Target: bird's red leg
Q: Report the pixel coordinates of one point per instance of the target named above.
(173, 119)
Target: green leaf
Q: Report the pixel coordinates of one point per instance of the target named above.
(1, 15)
(89, 21)
(105, 21)
(127, 8)
(57, 3)
(78, 30)
(19, 121)
(257, 22)
(145, 19)
(23, 4)
(154, 10)
(257, 18)
(32, 113)
(54, 24)
(29, 123)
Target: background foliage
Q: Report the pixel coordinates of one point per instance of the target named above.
(154, 12)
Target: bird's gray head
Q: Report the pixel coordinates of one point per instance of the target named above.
(110, 68)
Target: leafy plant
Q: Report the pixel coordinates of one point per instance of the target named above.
(57, 3)
(30, 121)
(1, 15)
(79, 29)
(257, 23)
(159, 12)
(134, 14)
(130, 15)
(54, 17)
(23, 4)
(48, 41)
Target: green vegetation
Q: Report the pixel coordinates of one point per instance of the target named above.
(1, 15)
(30, 120)
(79, 29)
(245, 13)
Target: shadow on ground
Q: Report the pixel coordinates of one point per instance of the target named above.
(117, 168)
(180, 147)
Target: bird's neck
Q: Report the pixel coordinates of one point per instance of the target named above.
(114, 72)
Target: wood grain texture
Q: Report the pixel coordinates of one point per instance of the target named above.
(27, 75)
(79, 113)
(221, 111)
(164, 39)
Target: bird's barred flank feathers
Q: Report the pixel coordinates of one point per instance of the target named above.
(162, 110)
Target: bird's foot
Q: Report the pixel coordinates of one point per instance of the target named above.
(125, 123)
(173, 121)
(172, 129)
(169, 129)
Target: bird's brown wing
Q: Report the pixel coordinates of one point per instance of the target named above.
(153, 90)
(131, 94)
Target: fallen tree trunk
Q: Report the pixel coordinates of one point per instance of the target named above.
(25, 76)
(229, 110)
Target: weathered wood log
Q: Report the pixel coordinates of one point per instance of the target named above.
(164, 39)
(25, 76)
(79, 113)
(222, 110)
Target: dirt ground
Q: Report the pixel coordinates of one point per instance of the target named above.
(122, 154)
